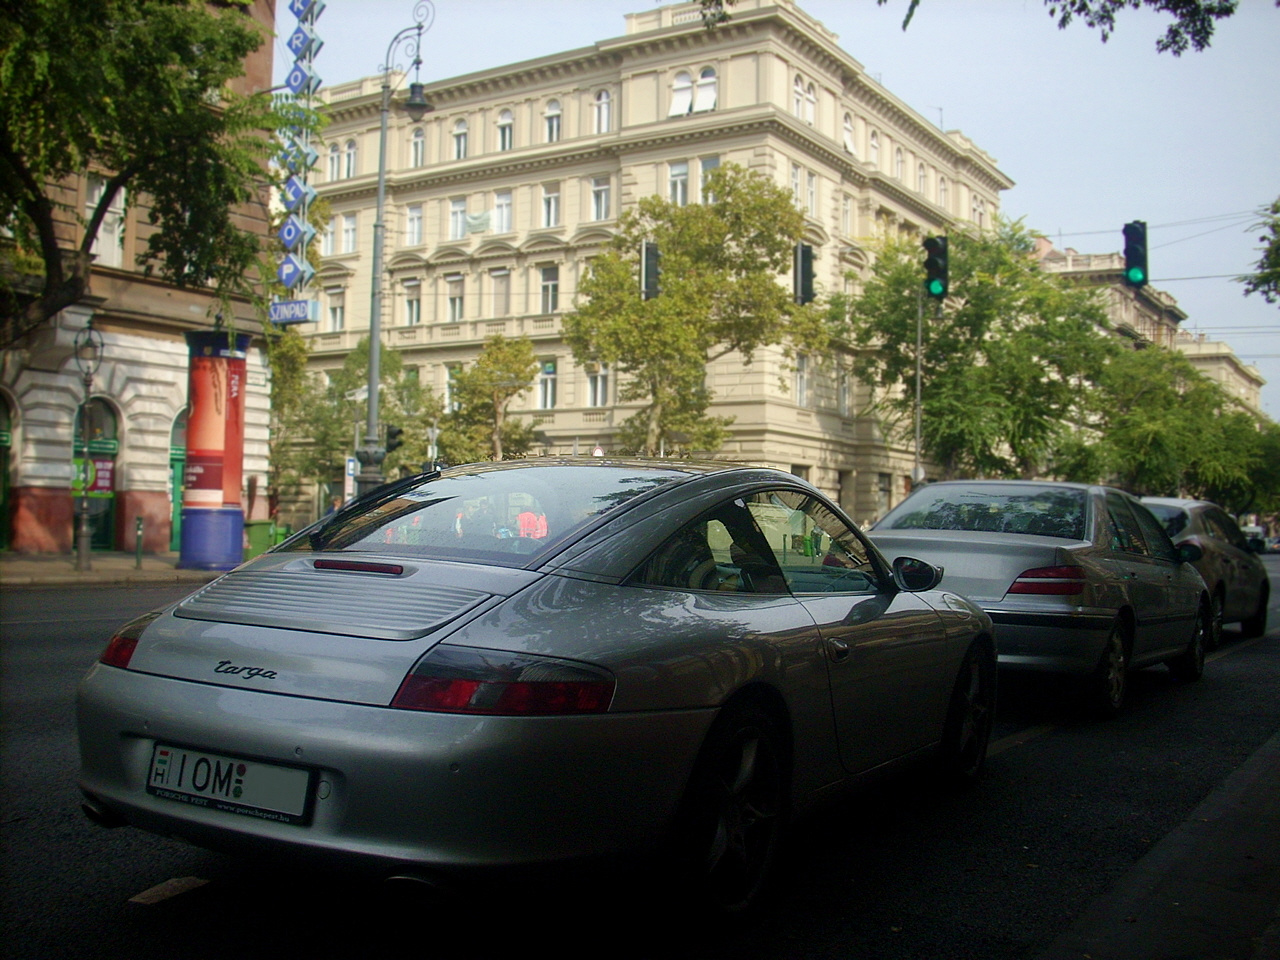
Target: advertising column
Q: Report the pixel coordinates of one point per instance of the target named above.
(212, 518)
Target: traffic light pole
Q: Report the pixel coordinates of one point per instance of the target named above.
(917, 471)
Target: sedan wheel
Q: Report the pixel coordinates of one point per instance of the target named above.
(1214, 639)
(970, 716)
(1110, 680)
(1189, 665)
(735, 811)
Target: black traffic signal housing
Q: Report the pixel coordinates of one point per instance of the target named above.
(935, 267)
(395, 438)
(1135, 254)
(802, 273)
(650, 270)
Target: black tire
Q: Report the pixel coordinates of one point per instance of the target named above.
(1256, 625)
(1214, 640)
(970, 717)
(734, 813)
(1188, 666)
(1109, 682)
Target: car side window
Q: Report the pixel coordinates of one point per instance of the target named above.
(723, 551)
(815, 549)
(1224, 528)
(1158, 543)
(1125, 533)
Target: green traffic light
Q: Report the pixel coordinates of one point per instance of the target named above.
(936, 288)
(1136, 275)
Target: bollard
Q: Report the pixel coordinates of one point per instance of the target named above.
(137, 543)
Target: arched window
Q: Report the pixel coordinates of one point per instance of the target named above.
(349, 165)
(506, 130)
(810, 103)
(460, 140)
(873, 147)
(942, 192)
(602, 112)
(848, 135)
(797, 96)
(418, 148)
(899, 163)
(681, 95)
(552, 116)
(704, 95)
(335, 162)
(922, 179)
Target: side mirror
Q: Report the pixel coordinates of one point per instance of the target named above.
(914, 575)
(1189, 552)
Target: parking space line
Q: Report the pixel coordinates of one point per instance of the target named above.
(170, 888)
(1018, 739)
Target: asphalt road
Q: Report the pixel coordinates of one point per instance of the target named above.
(901, 871)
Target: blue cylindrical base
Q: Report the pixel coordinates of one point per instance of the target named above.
(211, 539)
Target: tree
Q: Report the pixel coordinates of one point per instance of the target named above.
(503, 370)
(721, 261)
(1266, 280)
(139, 90)
(1193, 20)
(1003, 365)
(291, 392)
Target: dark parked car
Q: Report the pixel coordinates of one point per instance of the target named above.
(536, 661)
(1078, 579)
(1239, 588)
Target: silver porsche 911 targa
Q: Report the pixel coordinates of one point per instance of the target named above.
(538, 661)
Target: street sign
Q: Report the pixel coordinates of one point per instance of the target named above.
(294, 270)
(303, 42)
(295, 192)
(284, 312)
(302, 80)
(294, 233)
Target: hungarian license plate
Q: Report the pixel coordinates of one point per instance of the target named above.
(219, 782)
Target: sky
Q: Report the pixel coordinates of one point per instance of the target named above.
(1093, 134)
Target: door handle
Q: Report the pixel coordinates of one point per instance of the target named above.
(839, 650)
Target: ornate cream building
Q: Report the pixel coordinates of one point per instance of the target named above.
(497, 200)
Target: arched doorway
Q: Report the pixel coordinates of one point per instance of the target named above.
(95, 463)
(177, 468)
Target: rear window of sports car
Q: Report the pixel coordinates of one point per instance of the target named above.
(504, 516)
(1045, 512)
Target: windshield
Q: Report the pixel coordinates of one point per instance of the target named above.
(487, 514)
(1041, 511)
(1173, 518)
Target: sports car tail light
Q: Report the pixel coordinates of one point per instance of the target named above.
(467, 680)
(120, 647)
(1060, 581)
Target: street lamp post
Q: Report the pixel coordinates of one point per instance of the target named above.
(373, 451)
(88, 354)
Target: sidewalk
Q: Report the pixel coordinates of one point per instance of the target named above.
(43, 570)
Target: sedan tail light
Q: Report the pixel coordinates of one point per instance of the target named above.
(120, 647)
(467, 680)
(1058, 581)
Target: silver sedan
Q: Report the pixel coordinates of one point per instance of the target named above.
(538, 661)
(1078, 579)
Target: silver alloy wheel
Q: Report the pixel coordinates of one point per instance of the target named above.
(1111, 678)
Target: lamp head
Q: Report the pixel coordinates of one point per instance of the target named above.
(416, 106)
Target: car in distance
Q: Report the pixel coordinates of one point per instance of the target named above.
(535, 661)
(1239, 588)
(1078, 579)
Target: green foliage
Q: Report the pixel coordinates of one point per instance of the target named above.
(138, 89)
(291, 392)
(1002, 366)
(1266, 280)
(720, 292)
(503, 370)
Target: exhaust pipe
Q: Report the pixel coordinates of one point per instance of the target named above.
(101, 815)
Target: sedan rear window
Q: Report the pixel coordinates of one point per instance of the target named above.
(1045, 512)
(486, 513)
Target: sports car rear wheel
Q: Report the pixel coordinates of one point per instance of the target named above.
(735, 811)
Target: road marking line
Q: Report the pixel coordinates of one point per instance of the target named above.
(1018, 739)
(170, 888)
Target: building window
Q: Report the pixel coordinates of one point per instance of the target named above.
(451, 401)
(844, 390)
(413, 226)
(811, 194)
(597, 385)
(454, 291)
(922, 179)
(506, 130)
(848, 135)
(797, 97)
(810, 104)
(600, 198)
(704, 94)
(942, 192)
(681, 95)
(884, 493)
(337, 309)
(502, 211)
(678, 182)
(460, 140)
(418, 148)
(108, 245)
(709, 165)
(795, 182)
(327, 246)
(552, 118)
(801, 380)
(349, 160)
(550, 289)
(980, 212)
(501, 280)
(873, 148)
(547, 385)
(458, 218)
(551, 205)
(846, 216)
(602, 112)
(349, 233)
(899, 164)
(335, 162)
(412, 304)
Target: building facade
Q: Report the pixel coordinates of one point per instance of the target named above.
(135, 415)
(497, 200)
